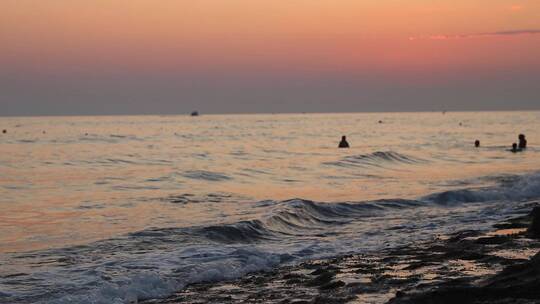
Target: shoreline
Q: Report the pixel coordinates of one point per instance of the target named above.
(467, 266)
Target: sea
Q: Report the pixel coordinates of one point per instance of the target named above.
(119, 209)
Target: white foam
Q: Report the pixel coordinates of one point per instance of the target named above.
(524, 187)
(151, 284)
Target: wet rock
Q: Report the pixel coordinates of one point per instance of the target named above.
(458, 236)
(331, 300)
(515, 223)
(534, 228)
(291, 275)
(499, 239)
(294, 281)
(419, 264)
(515, 283)
(461, 253)
(327, 269)
(332, 285)
(322, 279)
(294, 278)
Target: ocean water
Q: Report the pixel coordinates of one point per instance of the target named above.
(124, 208)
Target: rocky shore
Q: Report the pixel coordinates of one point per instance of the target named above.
(501, 266)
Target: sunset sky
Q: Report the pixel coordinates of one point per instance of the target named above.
(60, 57)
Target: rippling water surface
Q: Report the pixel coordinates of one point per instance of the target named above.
(114, 209)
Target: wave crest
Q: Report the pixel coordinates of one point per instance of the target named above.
(376, 159)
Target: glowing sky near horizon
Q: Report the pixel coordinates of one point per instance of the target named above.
(143, 56)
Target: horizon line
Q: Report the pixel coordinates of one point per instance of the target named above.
(264, 113)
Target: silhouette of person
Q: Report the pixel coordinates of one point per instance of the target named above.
(477, 143)
(515, 148)
(343, 143)
(522, 141)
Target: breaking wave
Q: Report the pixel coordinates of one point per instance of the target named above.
(376, 159)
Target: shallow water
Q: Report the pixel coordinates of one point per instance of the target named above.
(111, 209)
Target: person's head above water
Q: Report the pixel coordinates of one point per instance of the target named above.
(343, 143)
(477, 143)
(514, 147)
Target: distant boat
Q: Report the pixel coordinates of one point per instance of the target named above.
(194, 113)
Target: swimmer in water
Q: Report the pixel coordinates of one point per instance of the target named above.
(522, 141)
(343, 143)
(515, 148)
(477, 143)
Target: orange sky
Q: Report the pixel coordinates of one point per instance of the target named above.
(296, 34)
(401, 39)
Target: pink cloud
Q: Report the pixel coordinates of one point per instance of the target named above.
(478, 35)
